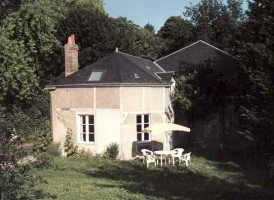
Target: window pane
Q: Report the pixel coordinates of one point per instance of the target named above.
(95, 76)
(139, 128)
(146, 125)
(146, 136)
(91, 128)
(83, 129)
(83, 137)
(146, 118)
(83, 119)
(139, 119)
(91, 137)
(139, 136)
(91, 119)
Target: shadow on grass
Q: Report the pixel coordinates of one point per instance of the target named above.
(173, 183)
(256, 169)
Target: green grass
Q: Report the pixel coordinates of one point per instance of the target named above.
(206, 178)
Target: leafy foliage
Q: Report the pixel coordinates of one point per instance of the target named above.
(94, 31)
(176, 34)
(27, 38)
(16, 182)
(136, 41)
(200, 90)
(256, 89)
(69, 148)
(54, 150)
(216, 22)
(44, 161)
(112, 151)
(149, 27)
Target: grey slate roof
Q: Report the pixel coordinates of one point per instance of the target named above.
(195, 55)
(124, 69)
(166, 76)
(119, 69)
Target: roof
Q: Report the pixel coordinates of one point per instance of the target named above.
(166, 76)
(118, 69)
(196, 54)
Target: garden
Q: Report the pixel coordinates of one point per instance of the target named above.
(210, 176)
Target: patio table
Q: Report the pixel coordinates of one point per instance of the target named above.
(163, 153)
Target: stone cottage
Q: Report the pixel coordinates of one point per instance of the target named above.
(111, 100)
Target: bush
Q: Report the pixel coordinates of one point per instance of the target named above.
(112, 151)
(44, 161)
(54, 150)
(84, 153)
(69, 145)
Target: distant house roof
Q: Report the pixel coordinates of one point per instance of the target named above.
(114, 70)
(196, 54)
(166, 76)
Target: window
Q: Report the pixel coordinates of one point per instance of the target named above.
(142, 121)
(87, 128)
(95, 76)
(136, 76)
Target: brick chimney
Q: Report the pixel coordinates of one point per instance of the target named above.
(71, 56)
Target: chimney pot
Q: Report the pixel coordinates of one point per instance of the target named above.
(73, 38)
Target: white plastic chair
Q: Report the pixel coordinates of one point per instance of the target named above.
(149, 157)
(177, 153)
(186, 158)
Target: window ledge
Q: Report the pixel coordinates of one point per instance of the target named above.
(143, 142)
(88, 143)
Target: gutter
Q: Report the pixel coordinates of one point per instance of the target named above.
(53, 87)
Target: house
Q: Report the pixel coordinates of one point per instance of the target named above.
(217, 128)
(111, 100)
(115, 98)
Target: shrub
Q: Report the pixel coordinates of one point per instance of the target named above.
(43, 161)
(43, 136)
(84, 153)
(54, 149)
(69, 145)
(112, 151)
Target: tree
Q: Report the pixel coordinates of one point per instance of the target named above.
(256, 90)
(176, 34)
(27, 40)
(95, 33)
(97, 5)
(135, 40)
(216, 22)
(7, 5)
(15, 179)
(149, 27)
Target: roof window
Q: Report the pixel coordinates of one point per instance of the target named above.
(136, 76)
(95, 76)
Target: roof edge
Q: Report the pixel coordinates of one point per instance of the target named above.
(177, 51)
(195, 44)
(50, 87)
(133, 56)
(159, 66)
(218, 49)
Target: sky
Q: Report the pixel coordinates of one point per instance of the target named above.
(141, 12)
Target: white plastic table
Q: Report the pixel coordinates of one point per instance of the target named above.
(163, 153)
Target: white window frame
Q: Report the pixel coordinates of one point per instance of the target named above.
(80, 124)
(142, 128)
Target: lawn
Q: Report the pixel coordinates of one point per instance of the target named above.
(206, 178)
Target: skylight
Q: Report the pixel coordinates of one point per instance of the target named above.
(136, 76)
(95, 76)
